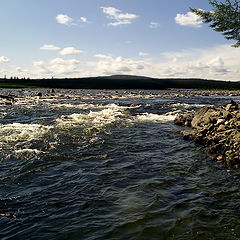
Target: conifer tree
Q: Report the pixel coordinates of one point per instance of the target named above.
(224, 18)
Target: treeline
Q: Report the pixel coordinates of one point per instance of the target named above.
(119, 82)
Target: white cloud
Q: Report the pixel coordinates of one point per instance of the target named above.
(38, 63)
(57, 66)
(64, 19)
(83, 19)
(103, 56)
(60, 66)
(221, 62)
(142, 54)
(107, 65)
(189, 19)
(4, 59)
(70, 51)
(217, 64)
(49, 47)
(19, 69)
(42, 68)
(118, 17)
(154, 25)
(188, 54)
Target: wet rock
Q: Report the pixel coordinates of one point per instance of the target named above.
(231, 106)
(7, 97)
(133, 105)
(188, 134)
(184, 119)
(218, 129)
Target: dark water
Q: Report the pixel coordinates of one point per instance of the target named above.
(110, 165)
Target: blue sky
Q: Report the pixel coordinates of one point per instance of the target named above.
(79, 38)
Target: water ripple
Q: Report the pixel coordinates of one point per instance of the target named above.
(100, 165)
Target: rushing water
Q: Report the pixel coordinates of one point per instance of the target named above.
(89, 164)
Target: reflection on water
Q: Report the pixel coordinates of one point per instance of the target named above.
(89, 164)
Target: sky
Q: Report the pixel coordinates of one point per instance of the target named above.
(84, 38)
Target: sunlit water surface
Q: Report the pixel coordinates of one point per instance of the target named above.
(89, 164)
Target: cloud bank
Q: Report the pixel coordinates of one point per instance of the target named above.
(220, 63)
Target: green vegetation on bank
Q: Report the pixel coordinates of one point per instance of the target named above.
(119, 82)
(9, 85)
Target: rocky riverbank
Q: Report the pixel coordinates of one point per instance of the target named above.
(218, 129)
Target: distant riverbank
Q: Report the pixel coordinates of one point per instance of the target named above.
(119, 82)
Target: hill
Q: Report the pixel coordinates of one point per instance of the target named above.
(120, 82)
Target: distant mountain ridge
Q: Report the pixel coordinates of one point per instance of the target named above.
(120, 82)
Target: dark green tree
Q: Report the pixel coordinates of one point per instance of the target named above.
(224, 18)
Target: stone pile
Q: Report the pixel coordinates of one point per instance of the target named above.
(218, 129)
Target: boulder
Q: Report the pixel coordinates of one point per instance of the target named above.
(184, 119)
(218, 129)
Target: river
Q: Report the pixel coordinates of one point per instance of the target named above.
(110, 165)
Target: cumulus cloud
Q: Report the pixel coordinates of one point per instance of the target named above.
(154, 25)
(118, 17)
(65, 20)
(4, 59)
(217, 64)
(189, 19)
(49, 47)
(42, 68)
(221, 62)
(119, 65)
(60, 66)
(57, 66)
(70, 51)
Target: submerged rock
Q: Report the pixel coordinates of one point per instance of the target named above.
(218, 129)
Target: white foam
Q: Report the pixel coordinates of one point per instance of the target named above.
(150, 117)
(22, 132)
(110, 114)
(77, 106)
(185, 105)
(92, 121)
(27, 150)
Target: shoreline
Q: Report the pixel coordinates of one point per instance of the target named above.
(217, 128)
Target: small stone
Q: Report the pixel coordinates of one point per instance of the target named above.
(220, 121)
(231, 106)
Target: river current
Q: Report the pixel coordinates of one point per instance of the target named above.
(110, 165)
